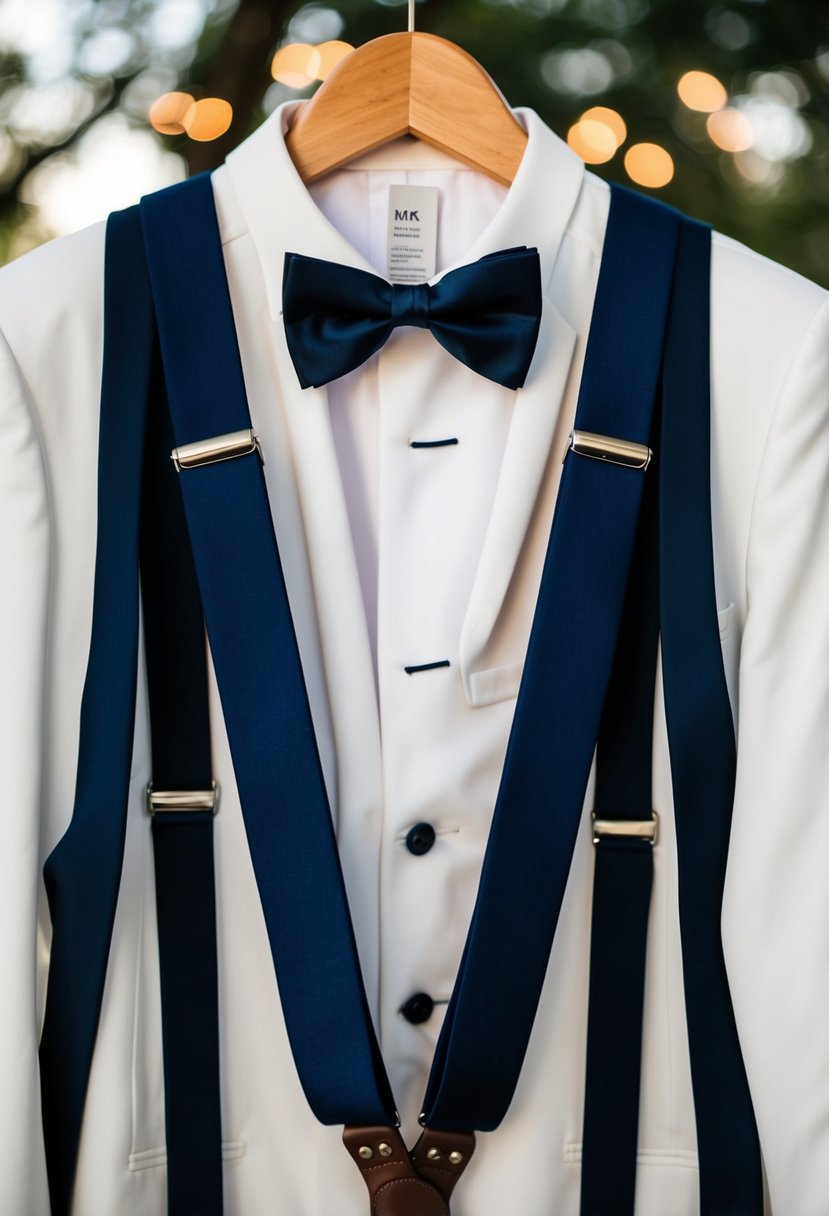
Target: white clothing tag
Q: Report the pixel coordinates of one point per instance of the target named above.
(413, 233)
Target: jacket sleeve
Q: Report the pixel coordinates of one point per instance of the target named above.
(24, 593)
(776, 909)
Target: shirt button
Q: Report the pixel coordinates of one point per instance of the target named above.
(420, 839)
(418, 1008)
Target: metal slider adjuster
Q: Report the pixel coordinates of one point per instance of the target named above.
(220, 447)
(614, 451)
(636, 829)
(182, 800)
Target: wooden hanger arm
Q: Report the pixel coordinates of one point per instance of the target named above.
(401, 84)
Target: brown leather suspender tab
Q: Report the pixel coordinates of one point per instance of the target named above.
(441, 1157)
(403, 1184)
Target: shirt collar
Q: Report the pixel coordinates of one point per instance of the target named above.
(281, 215)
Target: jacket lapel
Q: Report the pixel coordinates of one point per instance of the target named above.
(537, 423)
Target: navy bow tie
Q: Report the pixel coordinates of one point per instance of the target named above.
(486, 314)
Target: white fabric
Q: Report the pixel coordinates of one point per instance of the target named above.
(397, 556)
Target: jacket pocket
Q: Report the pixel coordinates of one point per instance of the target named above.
(495, 683)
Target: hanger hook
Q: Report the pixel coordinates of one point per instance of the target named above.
(411, 16)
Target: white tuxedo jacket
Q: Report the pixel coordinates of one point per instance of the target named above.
(395, 556)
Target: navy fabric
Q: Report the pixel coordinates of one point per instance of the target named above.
(82, 873)
(182, 840)
(186, 907)
(702, 747)
(486, 314)
(264, 701)
(622, 886)
(569, 656)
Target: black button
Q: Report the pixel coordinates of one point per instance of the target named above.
(420, 839)
(418, 1008)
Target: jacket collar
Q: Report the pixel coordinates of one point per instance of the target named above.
(281, 214)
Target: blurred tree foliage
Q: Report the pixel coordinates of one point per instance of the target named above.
(557, 56)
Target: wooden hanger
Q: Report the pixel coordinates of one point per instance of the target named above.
(415, 84)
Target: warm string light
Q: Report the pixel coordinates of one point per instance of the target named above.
(701, 91)
(299, 64)
(168, 112)
(209, 119)
(181, 114)
(597, 135)
(600, 132)
(649, 165)
(296, 64)
(727, 127)
(730, 130)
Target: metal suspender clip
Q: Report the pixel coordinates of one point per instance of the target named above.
(614, 451)
(220, 447)
(637, 829)
(182, 800)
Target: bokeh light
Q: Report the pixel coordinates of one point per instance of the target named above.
(649, 165)
(780, 132)
(296, 64)
(593, 141)
(610, 118)
(730, 130)
(180, 113)
(330, 54)
(597, 135)
(208, 119)
(167, 113)
(701, 91)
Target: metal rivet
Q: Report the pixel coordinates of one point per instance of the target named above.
(456, 1158)
(433, 1154)
(385, 1150)
(365, 1152)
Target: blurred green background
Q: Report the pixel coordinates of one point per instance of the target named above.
(78, 78)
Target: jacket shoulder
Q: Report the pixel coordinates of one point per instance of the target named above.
(748, 271)
(54, 292)
(761, 316)
(52, 330)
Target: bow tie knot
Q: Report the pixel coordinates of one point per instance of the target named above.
(410, 304)
(487, 314)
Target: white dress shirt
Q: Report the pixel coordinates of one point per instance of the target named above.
(399, 556)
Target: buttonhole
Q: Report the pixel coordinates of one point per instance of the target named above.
(426, 666)
(431, 443)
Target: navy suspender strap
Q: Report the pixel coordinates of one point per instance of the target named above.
(703, 765)
(624, 835)
(264, 701)
(182, 801)
(702, 747)
(567, 666)
(82, 873)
